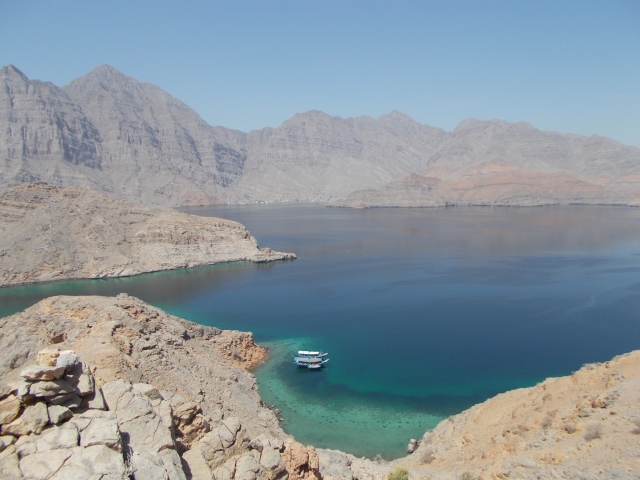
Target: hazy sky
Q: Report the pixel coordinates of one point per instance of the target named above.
(571, 66)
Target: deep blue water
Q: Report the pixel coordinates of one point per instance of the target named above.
(425, 312)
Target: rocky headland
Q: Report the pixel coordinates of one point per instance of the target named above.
(52, 233)
(113, 388)
(135, 141)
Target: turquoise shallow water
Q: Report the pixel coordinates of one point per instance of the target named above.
(425, 312)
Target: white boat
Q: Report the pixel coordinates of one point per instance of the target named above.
(306, 353)
(310, 362)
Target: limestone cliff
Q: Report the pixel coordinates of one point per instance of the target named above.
(52, 233)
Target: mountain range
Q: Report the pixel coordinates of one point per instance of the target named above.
(135, 141)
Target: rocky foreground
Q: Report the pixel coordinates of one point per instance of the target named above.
(53, 233)
(112, 388)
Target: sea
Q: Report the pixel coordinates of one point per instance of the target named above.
(424, 312)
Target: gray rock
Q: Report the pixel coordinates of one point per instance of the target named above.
(50, 388)
(33, 419)
(73, 403)
(86, 385)
(10, 467)
(65, 436)
(60, 399)
(102, 430)
(58, 414)
(247, 468)
(40, 372)
(148, 391)
(137, 418)
(6, 440)
(97, 461)
(94, 401)
(5, 390)
(68, 360)
(9, 409)
(197, 465)
(272, 462)
(44, 464)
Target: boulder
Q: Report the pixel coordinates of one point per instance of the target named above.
(93, 401)
(247, 468)
(73, 403)
(50, 388)
(47, 357)
(40, 372)
(5, 390)
(68, 360)
(86, 384)
(272, 463)
(9, 409)
(33, 419)
(58, 414)
(6, 441)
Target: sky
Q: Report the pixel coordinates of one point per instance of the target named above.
(569, 66)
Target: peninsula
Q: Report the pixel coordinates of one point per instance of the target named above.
(53, 233)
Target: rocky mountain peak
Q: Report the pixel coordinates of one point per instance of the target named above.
(10, 71)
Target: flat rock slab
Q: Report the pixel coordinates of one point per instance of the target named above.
(40, 372)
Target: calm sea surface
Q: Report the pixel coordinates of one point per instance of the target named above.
(424, 312)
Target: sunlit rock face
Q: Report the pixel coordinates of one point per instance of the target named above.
(138, 142)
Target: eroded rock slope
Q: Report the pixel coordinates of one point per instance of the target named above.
(52, 233)
(134, 140)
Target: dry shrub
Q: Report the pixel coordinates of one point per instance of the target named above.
(570, 427)
(636, 422)
(546, 422)
(593, 431)
(425, 455)
(399, 473)
(468, 476)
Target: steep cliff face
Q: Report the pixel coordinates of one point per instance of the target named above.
(136, 141)
(52, 233)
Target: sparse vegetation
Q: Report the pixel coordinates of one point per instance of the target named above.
(593, 431)
(468, 476)
(546, 422)
(570, 427)
(399, 473)
(425, 455)
(636, 422)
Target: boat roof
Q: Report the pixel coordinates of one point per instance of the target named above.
(308, 360)
(306, 352)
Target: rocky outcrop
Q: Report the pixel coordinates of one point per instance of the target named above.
(52, 233)
(133, 140)
(585, 425)
(122, 389)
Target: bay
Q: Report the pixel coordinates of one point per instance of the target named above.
(424, 312)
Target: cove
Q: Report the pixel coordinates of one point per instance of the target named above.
(425, 312)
